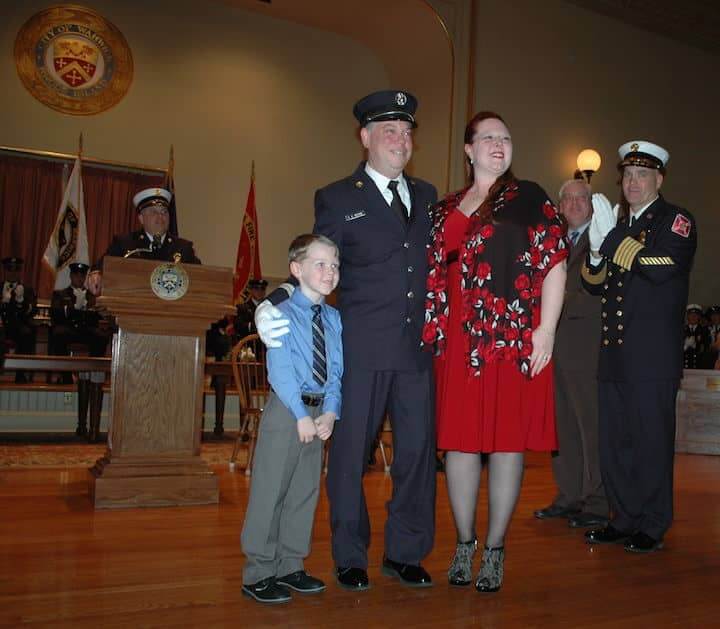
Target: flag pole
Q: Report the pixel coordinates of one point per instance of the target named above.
(79, 187)
(171, 163)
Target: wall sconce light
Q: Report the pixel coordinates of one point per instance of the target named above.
(588, 163)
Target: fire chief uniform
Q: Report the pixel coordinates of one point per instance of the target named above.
(643, 280)
(384, 264)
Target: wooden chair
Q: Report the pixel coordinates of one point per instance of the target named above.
(250, 374)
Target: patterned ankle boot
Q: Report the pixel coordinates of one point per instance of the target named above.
(460, 570)
(490, 577)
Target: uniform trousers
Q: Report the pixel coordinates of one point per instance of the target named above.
(408, 396)
(637, 448)
(576, 465)
(283, 495)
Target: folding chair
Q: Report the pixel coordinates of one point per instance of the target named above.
(250, 374)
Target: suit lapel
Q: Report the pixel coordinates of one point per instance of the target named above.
(374, 198)
(580, 248)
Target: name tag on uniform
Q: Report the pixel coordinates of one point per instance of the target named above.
(355, 215)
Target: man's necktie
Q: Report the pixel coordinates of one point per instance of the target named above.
(574, 237)
(397, 205)
(319, 363)
(156, 243)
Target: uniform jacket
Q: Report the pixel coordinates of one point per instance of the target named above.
(577, 339)
(383, 267)
(139, 240)
(62, 309)
(643, 284)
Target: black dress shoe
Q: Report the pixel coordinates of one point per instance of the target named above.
(301, 582)
(413, 576)
(643, 543)
(267, 591)
(606, 535)
(585, 520)
(352, 578)
(556, 511)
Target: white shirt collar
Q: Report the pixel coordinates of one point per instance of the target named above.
(381, 181)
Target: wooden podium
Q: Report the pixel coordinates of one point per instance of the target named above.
(163, 310)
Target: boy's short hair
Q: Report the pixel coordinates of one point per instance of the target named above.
(299, 247)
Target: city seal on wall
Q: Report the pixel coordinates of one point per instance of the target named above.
(169, 281)
(73, 60)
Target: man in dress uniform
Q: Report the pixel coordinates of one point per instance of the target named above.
(17, 309)
(152, 241)
(576, 465)
(697, 339)
(75, 320)
(245, 320)
(713, 317)
(378, 217)
(640, 266)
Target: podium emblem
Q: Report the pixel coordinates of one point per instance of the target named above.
(169, 281)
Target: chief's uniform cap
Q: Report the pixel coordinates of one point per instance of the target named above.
(151, 196)
(696, 308)
(253, 283)
(78, 267)
(12, 263)
(643, 153)
(713, 310)
(386, 105)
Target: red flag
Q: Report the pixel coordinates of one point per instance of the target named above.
(247, 262)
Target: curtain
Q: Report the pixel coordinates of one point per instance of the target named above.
(30, 196)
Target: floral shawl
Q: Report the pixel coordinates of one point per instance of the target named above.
(495, 327)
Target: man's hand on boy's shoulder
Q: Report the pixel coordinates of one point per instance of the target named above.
(306, 429)
(325, 424)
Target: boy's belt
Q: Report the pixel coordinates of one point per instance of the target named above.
(312, 399)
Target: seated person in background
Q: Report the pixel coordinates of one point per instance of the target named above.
(152, 241)
(17, 309)
(75, 319)
(697, 342)
(305, 374)
(245, 321)
(223, 334)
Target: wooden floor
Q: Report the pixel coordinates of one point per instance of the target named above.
(62, 564)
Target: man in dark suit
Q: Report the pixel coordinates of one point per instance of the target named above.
(245, 320)
(152, 241)
(641, 268)
(378, 217)
(17, 309)
(576, 466)
(75, 320)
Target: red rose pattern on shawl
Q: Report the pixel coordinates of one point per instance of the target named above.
(494, 329)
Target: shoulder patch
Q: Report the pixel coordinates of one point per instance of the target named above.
(681, 226)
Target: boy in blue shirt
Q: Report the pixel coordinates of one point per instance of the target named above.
(305, 374)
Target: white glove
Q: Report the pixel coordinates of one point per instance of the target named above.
(80, 298)
(19, 292)
(689, 342)
(270, 324)
(604, 218)
(7, 294)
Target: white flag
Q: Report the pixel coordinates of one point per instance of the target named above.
(68, 241)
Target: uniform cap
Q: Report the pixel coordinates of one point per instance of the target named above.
(151, 196)
(386, 105)
(643, 153)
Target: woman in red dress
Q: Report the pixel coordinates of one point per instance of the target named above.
(494, 294)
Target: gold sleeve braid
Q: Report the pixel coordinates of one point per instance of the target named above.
(594, 278)
(656, 260)
(626, 252)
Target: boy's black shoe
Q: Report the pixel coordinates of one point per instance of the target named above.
(355, 579)
(413, 576)
(267, 591)
(301, 582)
